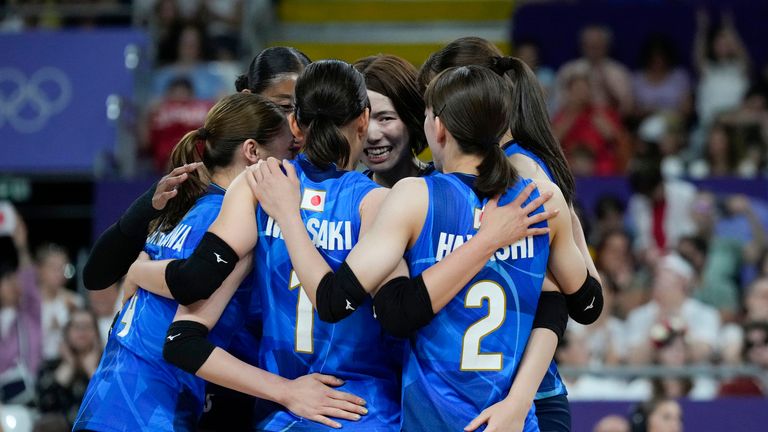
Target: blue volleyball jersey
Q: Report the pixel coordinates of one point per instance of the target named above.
(295, 341)
(134, 389)
(552, 384)
(466, 358)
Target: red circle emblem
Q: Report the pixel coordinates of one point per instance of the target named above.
(315, 200)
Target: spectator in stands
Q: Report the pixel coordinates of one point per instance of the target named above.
(671, 300)
(582, 125)
(658, 211)
(20, 336)
(528, 52)
(661, 84)
(223, 20)
(612, 423)
(747, 126)
(617, 267)
(573, 350)
(610, 212)
(658, 415)
(610, 81)
(186, 52)
(62, 382)
(57, 300)
(755, 352)
(178, 113)
(722, 62)
(105, 304)
(721, 158)
(755, 310)
(718, 292)
(672, 349)
(727, 252)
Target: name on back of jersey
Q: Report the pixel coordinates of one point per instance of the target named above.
(173, 240)
(325, 234)
(447, 243)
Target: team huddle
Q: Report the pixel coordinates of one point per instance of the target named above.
(269, 286)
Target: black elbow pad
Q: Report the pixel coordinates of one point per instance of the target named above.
(552, 313)
(403, 306)
(197, 277)
(339, 294)
(187, 346)
(586, 304)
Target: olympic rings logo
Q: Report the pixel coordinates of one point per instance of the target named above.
(27, 104)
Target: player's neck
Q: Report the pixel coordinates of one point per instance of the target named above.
(409, 168)
(461, 163)
(224, 177)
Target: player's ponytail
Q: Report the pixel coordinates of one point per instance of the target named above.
(329, 95)
(529, 120)
(325, 143)
(232, 121)
(473, 104)
(496, 172)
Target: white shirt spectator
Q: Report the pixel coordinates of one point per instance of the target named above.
(679, 196)
(702, 323)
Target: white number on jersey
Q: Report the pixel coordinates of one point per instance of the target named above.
(128, 316)
(305, 318)
(471, 357)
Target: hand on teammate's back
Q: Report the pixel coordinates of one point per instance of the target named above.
(312, 397)
(276, 186)
(166, 187)
(504, 225)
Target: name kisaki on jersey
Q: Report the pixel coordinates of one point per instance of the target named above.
(313, 200)
(327, 235)
(448, 243)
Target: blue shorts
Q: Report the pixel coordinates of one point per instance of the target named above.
(554, 414)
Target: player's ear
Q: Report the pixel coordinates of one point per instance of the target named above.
(362, 124)
(440, 132)
(298, 134)
(251, 151)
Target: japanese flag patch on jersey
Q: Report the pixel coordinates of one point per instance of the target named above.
(313, 200)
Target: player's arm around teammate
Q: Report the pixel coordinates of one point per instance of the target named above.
(397, 225)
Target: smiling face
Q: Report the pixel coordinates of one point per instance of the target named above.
(387, 144)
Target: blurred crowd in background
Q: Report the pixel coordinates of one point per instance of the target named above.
(684, 269)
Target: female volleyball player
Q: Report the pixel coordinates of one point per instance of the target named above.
(331, 115)
(395, 131)
(133, 388)
(536, 154)
(427, 218)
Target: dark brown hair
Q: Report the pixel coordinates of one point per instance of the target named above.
(395, 78)
(232, 121)
(269, 66)
(529, 120)
(473, 104)
(329, 95)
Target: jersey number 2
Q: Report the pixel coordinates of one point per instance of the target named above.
(305, 318)
(471, 357)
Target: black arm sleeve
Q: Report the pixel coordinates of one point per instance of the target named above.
(197, 277)
(119, 246)
(552, 313)
(403, 305)
(586, 304)
(187, 346)
(339, 294)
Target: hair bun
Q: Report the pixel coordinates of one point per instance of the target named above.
(241, 83)
(502, 64)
